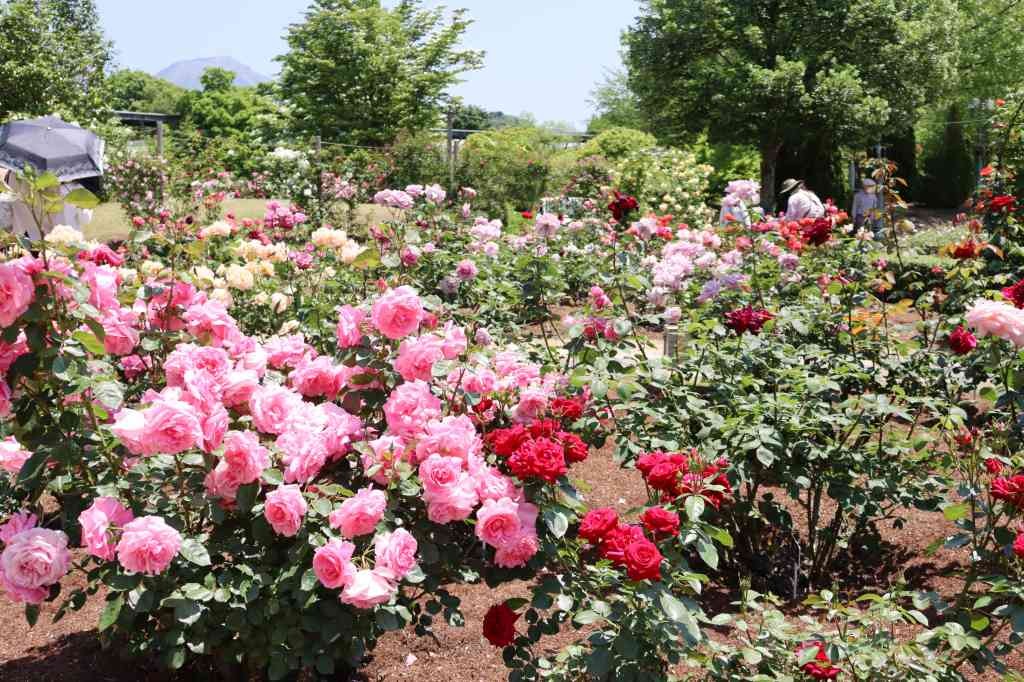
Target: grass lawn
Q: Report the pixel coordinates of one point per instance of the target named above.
(110, 222)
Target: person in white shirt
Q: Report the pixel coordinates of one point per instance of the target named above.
(867, 205)
(803, 203)
(24, 219)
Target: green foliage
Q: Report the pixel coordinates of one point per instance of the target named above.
(223, 110)
(53, 58)
(729, 162)
(139, 91)
(359, 72)
(510, 165)
(614, 104)
(616, 143)
(418, 160)
(666, 181)
(949, 172)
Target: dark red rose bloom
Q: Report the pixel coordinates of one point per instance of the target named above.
(1003, 204)
(966, 249)
(993, 466)
(622, 205)
(660, 522)
(527, 214)
(965, 437)
(575, 449)
(500, 625)
(821, 667)
(747, 319)
(505, 442)
(569, 408)
(643, 560)
(597, 524)
(665, 476)
(962, 341)
(613, 546)
(544, 428)
(818, 232)
(1015, 294)
(1009, 489)
(646, 462)
(540, 458)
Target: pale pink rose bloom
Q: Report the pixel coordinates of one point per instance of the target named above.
(409, 407)
(200, 389)
(491, 484)
(130, 428)
(319, 377)
(368, 589)
(120, 334)
(342, 429)
(148, 545)
(255, 360)
(454, 504)
(271, 407)
(497, 522)
(455, 341)
(440, 474)
(304, 454)
(242, 463)
(32, 561)
(215, 425)
(451, 437)
(172, 426)
(12, 455)
(332, 564)
(188, 356)
(239, 385)
(103, 281)
(466, 270)
(285, 509)
(481, 382)
(348, 331)
(16, 293)
(414, 190)
(518, 551)
(21, 521)
(531, 406)
(359, 515)
(9, 352)
(210, 323)
(288, 351)
(96, 521)
(435, 194)
(386, 452)
(395, 553)
(991, 318)
(397, 313)
(416, 357)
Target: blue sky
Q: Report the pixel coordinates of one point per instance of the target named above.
(543, 56)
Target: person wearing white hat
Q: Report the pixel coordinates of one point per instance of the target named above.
(867, 205)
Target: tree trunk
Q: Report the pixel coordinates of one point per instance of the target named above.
(769, 158)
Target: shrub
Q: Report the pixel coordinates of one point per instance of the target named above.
(140, 184)
(666, 181)
(507, 166)
(417, 160)
(615, 144)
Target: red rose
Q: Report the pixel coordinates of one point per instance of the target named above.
(646, 462)
(993, 466)
(962, 341)
(1015, 294)
(664, 476)
(527, 214)
(821, 667)
(568, 408)
(1003, 204)
(1018, 545)
(1009, 489)
(747, 319)
(818, 232)
(622, 205)
(505, 442)
(613, 546)
(541, 458)
(597, 524)
(544, 428)
(500, 625)
(575, 449)
(643, 560)
(660, 522)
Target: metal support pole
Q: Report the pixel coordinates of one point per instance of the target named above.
(160, 139)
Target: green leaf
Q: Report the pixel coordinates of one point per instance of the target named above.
(90, 342)
(109, 393)
(45, 181)
(955, 512)
(111, 611)
(273, 477)
(694, 507)
(309, 580)
(194, 551)
(557, 522)
(32, 614)
(587, 617)
(82, 198)
(707, 552)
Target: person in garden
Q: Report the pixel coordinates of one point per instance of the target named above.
(867, 205)
(803, 203)
(34, 222)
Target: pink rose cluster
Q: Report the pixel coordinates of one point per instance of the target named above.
(33, 559)
(394, 558)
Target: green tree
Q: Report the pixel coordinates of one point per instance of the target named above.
(139, 91)
(222, 110)
(359, 72)
(615, 105)
(471, 117)
(53, 59)
(802, 77)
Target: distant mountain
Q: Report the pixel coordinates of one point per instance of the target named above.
(186, 73)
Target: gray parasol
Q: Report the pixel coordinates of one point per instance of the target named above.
(51, 145)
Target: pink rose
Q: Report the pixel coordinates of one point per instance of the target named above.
(451, 437)
(341, 431)
(284, 509)
(532, 403)
(96, 522)
(239, 385)
(16, 293)
(23, 520)
(12, 455)
(9, 352)
(368, 589)
(242, 463)
(213, 362)
(103, 281)
(454, 504)
(120, 335)
(32, 561)
(517, 551)
(304, 454)
(359, 515)
(332, 564)
(395, 553)
(440, 474)
(386, 452)
(271, 407)
(215, 425)
(397, 313)
(319, 377)
(455, 341)
(130, 428)
(466, 270)
(491, 484)
(148, 545)
(348, 330)
(172, 426)
(288, 351)
(409, 407)
(416, 357)
(210, 323)
(497, 522)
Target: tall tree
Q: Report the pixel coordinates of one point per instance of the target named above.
(802, 74)
(139, 91)
(359, 72)
(615, 105)
(53, 58)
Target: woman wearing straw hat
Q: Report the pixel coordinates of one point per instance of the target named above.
(803, 203)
